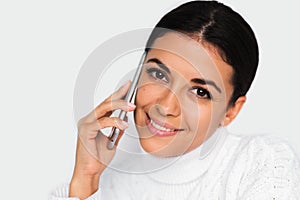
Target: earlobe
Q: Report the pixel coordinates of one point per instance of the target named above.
(233, 111)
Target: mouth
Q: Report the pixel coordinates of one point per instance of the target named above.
(159, 128)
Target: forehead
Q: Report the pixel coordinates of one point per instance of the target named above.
(191, 58)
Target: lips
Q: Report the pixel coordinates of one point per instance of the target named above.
(161, 129)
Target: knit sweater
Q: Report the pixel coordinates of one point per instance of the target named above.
(226, 166)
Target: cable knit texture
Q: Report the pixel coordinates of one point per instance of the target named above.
(230, 167)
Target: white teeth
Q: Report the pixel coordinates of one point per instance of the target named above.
(160, 127)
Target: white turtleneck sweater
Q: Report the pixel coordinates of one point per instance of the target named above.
(226, 166)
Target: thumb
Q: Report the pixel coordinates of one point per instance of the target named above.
(121, 132)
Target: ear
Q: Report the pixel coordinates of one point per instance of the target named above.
(233, 110)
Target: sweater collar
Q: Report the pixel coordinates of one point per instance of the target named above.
(131, 158)
(192, 165)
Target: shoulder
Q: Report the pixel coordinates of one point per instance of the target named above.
(269, 167)
(258, 149)
(267, 153)
(268, 149)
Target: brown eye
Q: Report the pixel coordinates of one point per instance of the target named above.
(157, 74)
(201, 93)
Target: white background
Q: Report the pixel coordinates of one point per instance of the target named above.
(44, 43)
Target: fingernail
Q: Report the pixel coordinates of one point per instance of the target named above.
(123, 124)
(131, 105)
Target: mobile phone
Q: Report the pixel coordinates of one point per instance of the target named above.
(115, 131)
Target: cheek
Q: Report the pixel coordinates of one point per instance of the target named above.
(146, 95)
(203, 117)
(197, 116)
(145, 98)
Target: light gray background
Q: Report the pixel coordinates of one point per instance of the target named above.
(43, 45)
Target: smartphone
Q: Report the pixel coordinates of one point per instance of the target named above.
(115, 131)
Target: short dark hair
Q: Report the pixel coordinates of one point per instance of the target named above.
(225, 29)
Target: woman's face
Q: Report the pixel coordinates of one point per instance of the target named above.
(182, 96)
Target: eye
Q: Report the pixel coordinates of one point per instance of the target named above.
(157, 74)
(201, 92)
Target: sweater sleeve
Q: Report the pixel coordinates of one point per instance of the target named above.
(273, 172)
(62, 193)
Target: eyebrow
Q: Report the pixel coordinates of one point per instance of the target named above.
(160, 64)
(195, 80)
(206, 82)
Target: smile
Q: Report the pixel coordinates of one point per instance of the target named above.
(161, 129)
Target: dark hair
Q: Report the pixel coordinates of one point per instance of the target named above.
(221, 27)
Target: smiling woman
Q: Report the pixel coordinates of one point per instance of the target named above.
(201, 59)
(173, 85)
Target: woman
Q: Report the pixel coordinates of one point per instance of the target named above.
(200, 62)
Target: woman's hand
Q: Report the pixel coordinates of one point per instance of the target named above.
(92, 155)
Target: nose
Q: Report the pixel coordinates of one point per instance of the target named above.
(168, 104)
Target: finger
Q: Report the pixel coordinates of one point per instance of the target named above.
(107, 107)
(90, 130)
(121, 132)
(106, 122)
(111, 103)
